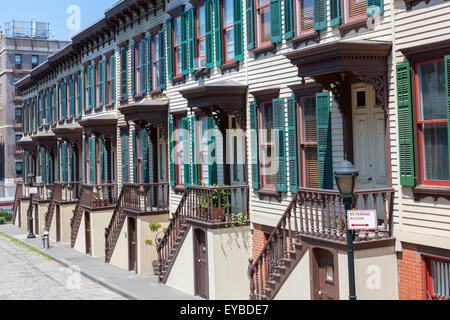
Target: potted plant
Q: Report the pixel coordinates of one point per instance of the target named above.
(154, 227)
(97, 195)
(217, 200)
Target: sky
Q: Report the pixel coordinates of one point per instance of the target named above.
(62, 24)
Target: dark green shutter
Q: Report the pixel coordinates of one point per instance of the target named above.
(112, 77)
(79, 96)
(133, 69)
(280, 145)
(184, 43)
(335, 13)
(250, 26)
(171, 153)
(212, 152)
(186, 151)
(217, 32)
(89, 85)
(92, 162)
(194, 151)
(149, 64)
(405, 132)
(42, 105)
(123, 72)
(191, 39)
(209, 34)
(63, 100)
(288, 20)
(254, 145)
(162, 59)
(71, 98)
(374, 7)
(143, 150)
(49, 107)
(320, 15)
(275, 21)
(81, 103)
(125, 156)
(133, 134)
(238, 31)
(292, 140)
(324, 152)
(169, 48)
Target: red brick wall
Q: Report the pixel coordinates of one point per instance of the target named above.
(410, 274)
(259, 240)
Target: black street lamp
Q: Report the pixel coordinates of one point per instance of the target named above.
(31, 235)
(346, 176)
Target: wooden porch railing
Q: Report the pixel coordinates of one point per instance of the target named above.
(70, 191)
(150, 197)
(17, 196)
(44, 192)
(112, 232)
(318, 213)
(100, 195)
(228, 205)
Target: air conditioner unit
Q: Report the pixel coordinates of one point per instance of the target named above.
(199, 63)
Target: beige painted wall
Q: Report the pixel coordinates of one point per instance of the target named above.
(80, 243)
(181, 276)
(228, 253)
(298, 285)
(375, 274)
(99, 221)
(66, 217)
(52, 231)
(42, 211)
(146, 253)
(23, 211)
(120, 254)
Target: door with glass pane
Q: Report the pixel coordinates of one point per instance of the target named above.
(236, 161)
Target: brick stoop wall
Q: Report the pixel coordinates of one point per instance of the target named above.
(259, 241)
(410, 273)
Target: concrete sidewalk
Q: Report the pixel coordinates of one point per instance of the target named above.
(125, 283)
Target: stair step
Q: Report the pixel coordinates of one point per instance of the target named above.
(276, 275)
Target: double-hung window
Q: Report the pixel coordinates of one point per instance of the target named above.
(432, 122)
(97, 84)
(437, 278)
(177, 45)
(200, 31)
(138, 66)
(107, 65)
(304, 16)
(308, 141)
(355, 10)
(266, 143)
(179, 151)
(262, 22)
(156, 61)
(202, 137)
(228, 30)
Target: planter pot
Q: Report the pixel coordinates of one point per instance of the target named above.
(155, 265)
(105, 202)
(216, 214)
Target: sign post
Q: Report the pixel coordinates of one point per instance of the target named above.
(362, 219)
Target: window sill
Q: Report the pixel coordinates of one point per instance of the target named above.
(109, 106)
(87, 111)
(98, 108)
(202, 73)
(269, 193)
(124, 100)
(156, 92)
(61, 121)
(423, 191)
(78, 118)
(229, 66)
(354, 25)
(53, 126)
(69, 120)
(305, 38)
(264, 50)
(179, 79)
(139, 96)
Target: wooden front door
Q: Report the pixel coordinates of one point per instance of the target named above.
(325, 276)
(132, 247)
(87, 226)
(36, 219)
(368, 138)
(58, 224)
(201, 264)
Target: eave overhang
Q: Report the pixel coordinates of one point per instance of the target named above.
(154, 113)
(100, 126)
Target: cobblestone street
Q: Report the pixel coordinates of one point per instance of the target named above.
(27, 275)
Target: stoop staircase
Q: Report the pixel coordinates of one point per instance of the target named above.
(56, 195)
(16, 202)
(112, 232)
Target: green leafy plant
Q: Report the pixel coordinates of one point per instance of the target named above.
(154, 226)
(236, 220)
(6, 215)
(218, 198)
(2, 220)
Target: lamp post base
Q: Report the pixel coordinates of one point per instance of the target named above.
(31, 236)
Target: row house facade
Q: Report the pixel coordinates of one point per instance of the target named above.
(198, 140)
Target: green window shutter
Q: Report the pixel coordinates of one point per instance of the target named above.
(280, 147)
(217, 32)
(374, 7)
(169, 48)
(319, 15)
(42, 104)
(133, 69)
(64, 162)
(184, 43)
(289, 20)
(250, 25)
(57, 101)
(71, 162)
(123, 72)
(212, 161)
(112, 77)
(324, 152)
(133, 134)
(49, 107)
(125, 156)
(191, 39)
(335, 13)
(89, 85)
(63, 100)
(81, 103)
(162, 59)
(83, 160)
(149, 64)
(238, 33)
(292, 140)
(171, 151)
(143, 62)
(186, 152)
(49, 166)
(254, 145)
(209, 34)
(104, 79)
(194, 151)
(79, 95)
(101, 162)
(143, 149)
(72, 98)
(100, 83)
(275, 21)
(92, 162)
(405, 132)
(58, 159)
(93, 102)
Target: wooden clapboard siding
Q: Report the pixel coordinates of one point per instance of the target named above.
(424, 222)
